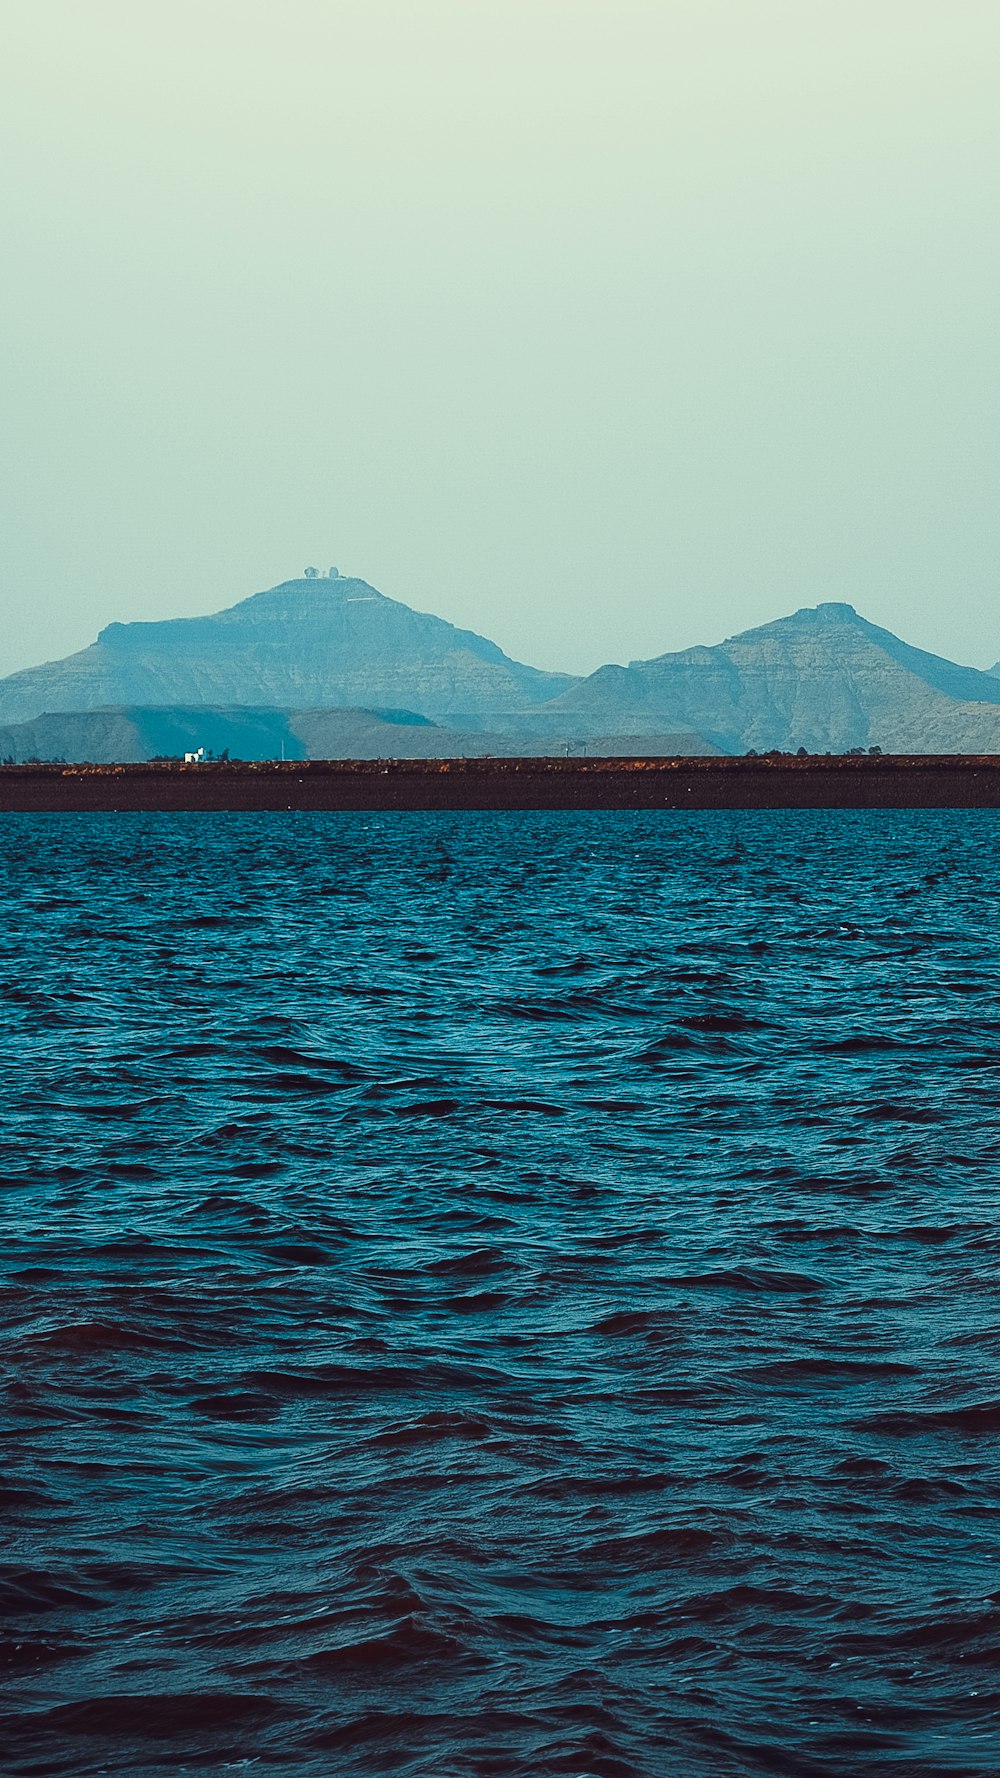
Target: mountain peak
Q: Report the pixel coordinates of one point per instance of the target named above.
(829, 613)
(839, 614)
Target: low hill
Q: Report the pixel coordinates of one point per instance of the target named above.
(130, 735)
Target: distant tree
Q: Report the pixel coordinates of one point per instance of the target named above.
(312, 573)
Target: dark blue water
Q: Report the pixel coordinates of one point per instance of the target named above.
(501, 1294)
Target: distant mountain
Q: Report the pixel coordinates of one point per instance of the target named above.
(127, 736)
(326, 667)
(307, 644)
(824, 679)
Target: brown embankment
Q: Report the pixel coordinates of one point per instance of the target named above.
(889, 781)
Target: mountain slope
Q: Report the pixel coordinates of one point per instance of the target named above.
(824, 679)
(306, 644)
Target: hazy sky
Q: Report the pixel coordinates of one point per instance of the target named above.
(600, 326)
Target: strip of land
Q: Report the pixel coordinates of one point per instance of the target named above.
(887, 781)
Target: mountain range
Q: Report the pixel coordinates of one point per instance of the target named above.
(328, 667)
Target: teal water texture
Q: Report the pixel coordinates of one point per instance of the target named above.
(501, 1294)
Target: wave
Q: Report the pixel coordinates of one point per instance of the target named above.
(487, 1296)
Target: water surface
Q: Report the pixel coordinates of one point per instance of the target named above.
(501, 1294)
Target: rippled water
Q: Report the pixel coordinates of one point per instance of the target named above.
(501, 1294)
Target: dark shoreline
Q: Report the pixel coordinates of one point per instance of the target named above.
(888, 781)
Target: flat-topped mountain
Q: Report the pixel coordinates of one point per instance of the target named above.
(824, 679)
(306, 644)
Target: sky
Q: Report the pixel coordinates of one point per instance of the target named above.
(602, 327)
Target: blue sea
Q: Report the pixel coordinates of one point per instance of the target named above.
(501, 1295)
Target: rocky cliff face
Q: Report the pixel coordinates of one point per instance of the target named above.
(305, 644)
(824, 679)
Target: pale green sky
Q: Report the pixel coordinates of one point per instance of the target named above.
(600, 326)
